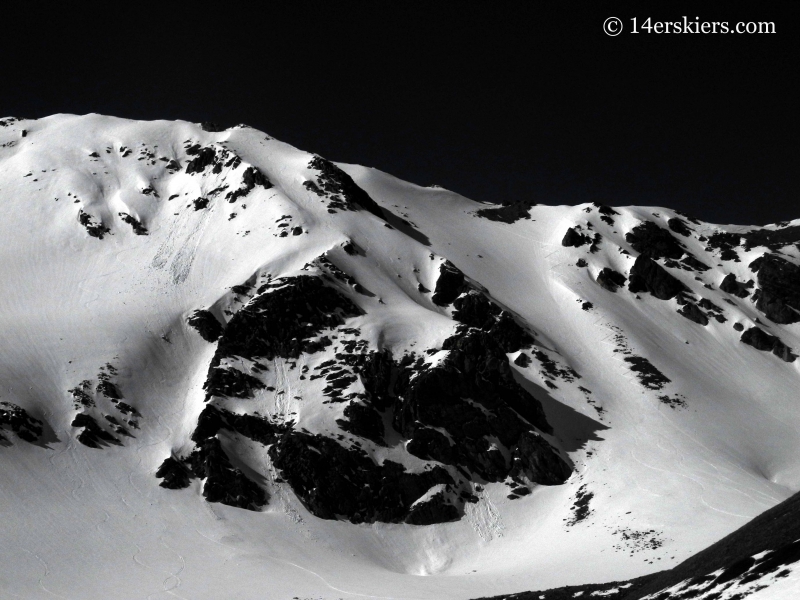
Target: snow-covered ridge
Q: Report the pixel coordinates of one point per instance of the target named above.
(394, 380)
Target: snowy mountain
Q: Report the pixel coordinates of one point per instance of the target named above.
(232, 368)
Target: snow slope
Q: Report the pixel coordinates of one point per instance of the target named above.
(661, 469)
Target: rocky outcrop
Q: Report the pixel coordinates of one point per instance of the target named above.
(332, 481)
(572, 238)
(451, 412)
(508, 213)
(648, 276)
(778, 296)
(692, 312)
(761, 340)
(224, 483)
(17, 419)
(450, 284)
(610, 279)
(92, 435)
(474, 309)
(206, 325)
(536, 461)
(735, 288)
(650, 240)
(339, 188)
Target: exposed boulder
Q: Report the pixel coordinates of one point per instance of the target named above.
(474, 309)
(223, 482)
(536, 460)
(679, 226)
(94, 227)
(251, 178)
(574, 239)
(727, 243)
(174, 474)
(648, 276)
(761, 340)
(732, 286)
(691, 311)
(509, 212)
(449, 286)
(206, 324)
(340, 189)
(650, 240)
(92, 435)
(649, 376)
(779, 294)
(364, 421)
(610, 279)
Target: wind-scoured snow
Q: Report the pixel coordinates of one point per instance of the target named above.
(662, 356)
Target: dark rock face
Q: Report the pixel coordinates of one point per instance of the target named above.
(772, 238)
(679, 226)
(726, 243)
(251, 178)
(473, 396)
(691, 311)
(610, 279)
(779, 294)
(574, 239)
(465, 411)
(508, 213)
(474, 309)
(332, 480)
(535, 460)
(93, 227)
(109, 390)
(211, 127)
(213, 419)
(281, 319)
(230, 382)
(203, 158)
(694, 264)
(734, 287)
(224, 483)
(761, 340)
(92, 435)
(363, 420)
(435, 510)
(174, 474)
(339, 187)
(449, 286)
(135, 224)
(206, 325)
(650, 240)
(648, 375)
(18, 420)
(648, 276)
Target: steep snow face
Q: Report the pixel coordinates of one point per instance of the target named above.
(231, 366)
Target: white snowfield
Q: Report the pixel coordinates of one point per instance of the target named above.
(664, 479)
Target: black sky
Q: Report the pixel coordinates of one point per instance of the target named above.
(497, 101)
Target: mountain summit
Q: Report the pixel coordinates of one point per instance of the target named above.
(232, 368)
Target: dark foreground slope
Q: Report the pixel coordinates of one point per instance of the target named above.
(747, 561)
